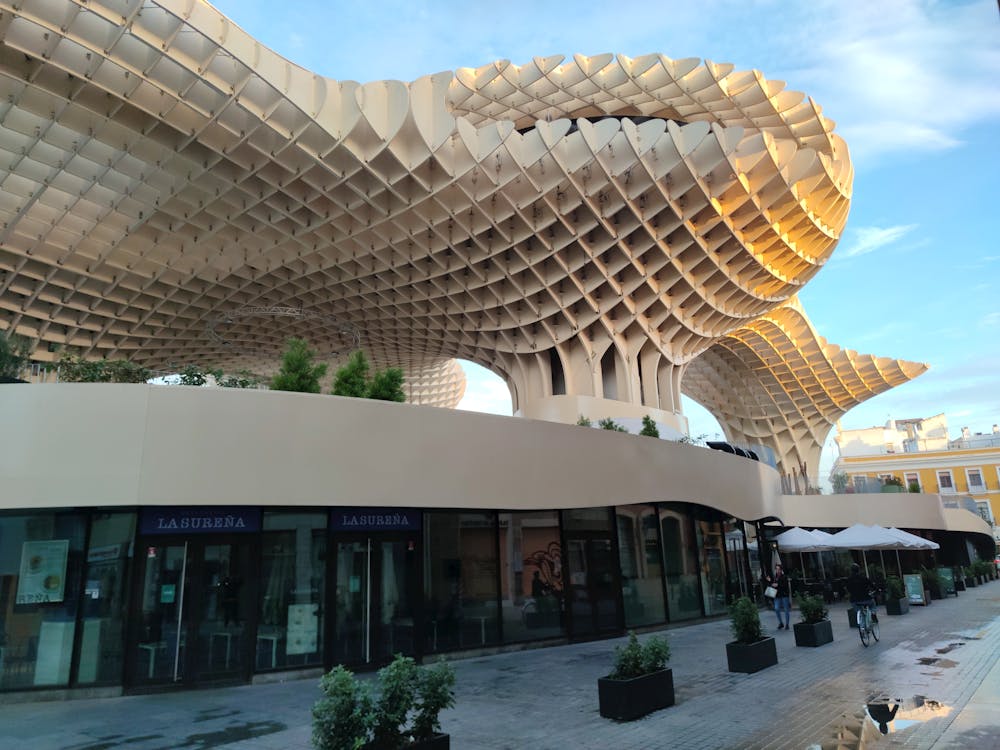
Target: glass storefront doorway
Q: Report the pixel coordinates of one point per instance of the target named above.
(195, 604)
(377, 593)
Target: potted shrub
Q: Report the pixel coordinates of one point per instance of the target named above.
(815, 629)
(640, 683)
(970, 577)
(959, 578)
(402, 714)
(896, 602)
(751, 651)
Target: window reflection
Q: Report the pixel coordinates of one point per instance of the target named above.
(713, 576)
(290, 629)
(460, 581)
(105, 598)
(642, 573)
(531, 576)
(680, 557)
(41, 559)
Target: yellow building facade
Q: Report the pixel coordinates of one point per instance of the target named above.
(919, 452)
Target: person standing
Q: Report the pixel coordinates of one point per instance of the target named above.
(783, 597)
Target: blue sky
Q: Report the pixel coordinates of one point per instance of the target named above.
(914, 86)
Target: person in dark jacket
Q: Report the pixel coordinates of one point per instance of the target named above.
(783, 599)
(859, 590)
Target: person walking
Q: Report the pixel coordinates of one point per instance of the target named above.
(783, 597)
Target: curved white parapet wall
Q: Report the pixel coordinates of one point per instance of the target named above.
(96, 444)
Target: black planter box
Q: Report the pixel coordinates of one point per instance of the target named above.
(437, 742)
(751, 657)
(897, 606)
(959, 584)
(936, 594)
(813, 633)
(630, 699)
(970, 582)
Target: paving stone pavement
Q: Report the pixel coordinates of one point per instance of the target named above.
(939, 663)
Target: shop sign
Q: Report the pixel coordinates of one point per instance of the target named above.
(199, 520)
(914, 588)
(375, 519)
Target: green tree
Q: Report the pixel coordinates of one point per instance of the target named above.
(584, 421)
(15, 352)
(609, 424)
(298, 373)
(352, 379)
(649, 427)
(238, 379)
(193, 375)
(387, 385)
(78, 370)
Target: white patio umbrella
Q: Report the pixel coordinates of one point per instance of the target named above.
(910, 541)
(865, 538)
(799, 540)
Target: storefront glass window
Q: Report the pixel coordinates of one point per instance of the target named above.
(290, 627)
(642, 573)
(680, 557)
(41, 560)
(593, 587)
(713, 567)
(460, 581)
(105, 599)
(531, 581)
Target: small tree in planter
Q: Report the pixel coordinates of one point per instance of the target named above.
(932, 583)
(815, 628)
(404, 714)
(896, 602)
(342, 717)
(751, 651)
(640, 683)
(970, 577)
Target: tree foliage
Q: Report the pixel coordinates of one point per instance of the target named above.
(609, 424)
(649, 428)
(839, 481)
(352, 380)
(584, 421)
(15, 352)
(75, 369)
(387, 385)
(298, 372)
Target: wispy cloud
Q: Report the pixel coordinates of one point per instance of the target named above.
(869, 239)
(990, 320)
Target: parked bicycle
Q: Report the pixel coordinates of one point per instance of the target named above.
(867, 624)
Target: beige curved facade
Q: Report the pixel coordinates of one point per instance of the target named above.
(587, 228)
(121, 445)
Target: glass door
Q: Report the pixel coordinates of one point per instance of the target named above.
(195, 607)
(377, 585)
(593, 586)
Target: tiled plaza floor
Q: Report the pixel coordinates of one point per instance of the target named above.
(939, 663)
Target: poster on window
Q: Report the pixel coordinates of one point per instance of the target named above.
(303, 629)
(43, 572)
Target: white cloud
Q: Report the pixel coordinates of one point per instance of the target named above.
(869, 239)
(990, 320)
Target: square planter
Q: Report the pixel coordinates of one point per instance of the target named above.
(625, 700)
(751, 657)
(897, 606)
(813, 633)
(436, 742)
(959, 584)
(970, 582)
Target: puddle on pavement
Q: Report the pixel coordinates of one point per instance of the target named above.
(950, 647)
(208, 714)
(880, 716)
(232, 733)
(112, 741)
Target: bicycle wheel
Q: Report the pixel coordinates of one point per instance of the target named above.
(863, 629)
(874, 628)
